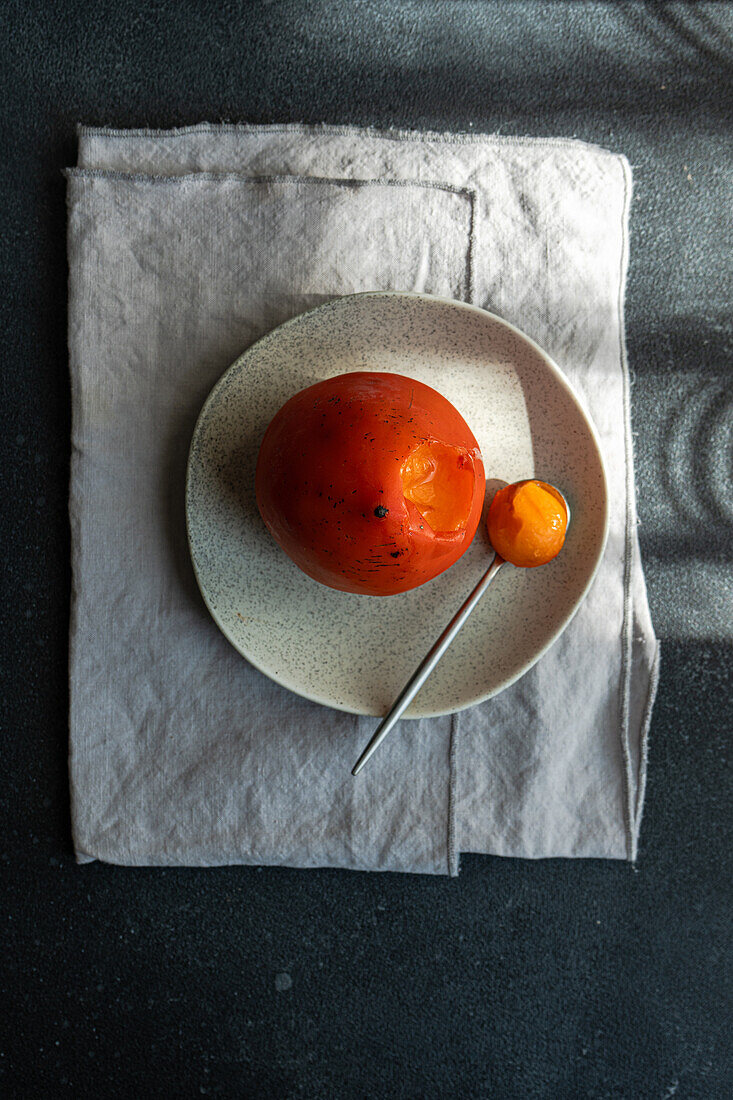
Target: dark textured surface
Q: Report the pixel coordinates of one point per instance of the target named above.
(560, 979)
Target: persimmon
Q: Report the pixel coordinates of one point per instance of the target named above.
(371, 482)
(527, 522)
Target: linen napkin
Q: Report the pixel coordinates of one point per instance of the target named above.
(184, 247)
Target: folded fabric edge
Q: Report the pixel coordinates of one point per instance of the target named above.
(635, 783)
(332, 130)
(243, 177)
(83, 859)
(644, 750)
(627, 624)
(454, 856)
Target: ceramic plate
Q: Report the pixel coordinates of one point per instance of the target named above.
(356, 652)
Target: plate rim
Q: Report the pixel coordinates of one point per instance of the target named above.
(564, 383)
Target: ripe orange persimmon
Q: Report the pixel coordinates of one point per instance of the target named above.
(527, 522)
(371, 482)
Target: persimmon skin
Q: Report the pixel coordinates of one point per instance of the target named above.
(527, 523)
(329, 482)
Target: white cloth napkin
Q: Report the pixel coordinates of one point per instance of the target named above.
(184, 247)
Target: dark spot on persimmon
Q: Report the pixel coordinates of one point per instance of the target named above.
(380, 511)
(395, 554)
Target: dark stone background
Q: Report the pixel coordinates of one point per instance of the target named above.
(553, 979)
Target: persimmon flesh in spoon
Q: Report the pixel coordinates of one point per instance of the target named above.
(527, 522)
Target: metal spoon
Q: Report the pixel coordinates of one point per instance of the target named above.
(427, 665)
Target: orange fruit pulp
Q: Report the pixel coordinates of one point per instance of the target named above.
(439, 481)
(527, 522)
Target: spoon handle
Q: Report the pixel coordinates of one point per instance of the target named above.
(424, 669)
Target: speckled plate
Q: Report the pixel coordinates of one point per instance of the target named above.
(356, 652)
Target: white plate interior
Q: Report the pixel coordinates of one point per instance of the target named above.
(356, 652)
